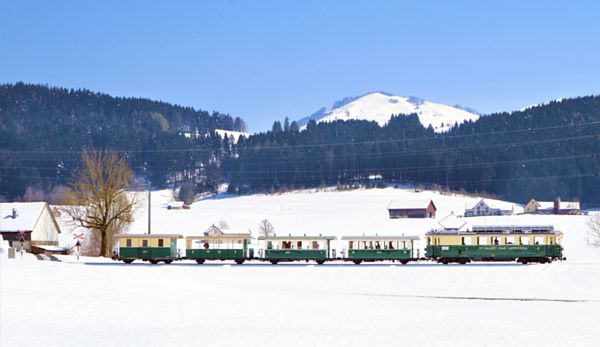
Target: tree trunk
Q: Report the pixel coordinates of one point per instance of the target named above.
(105, 250)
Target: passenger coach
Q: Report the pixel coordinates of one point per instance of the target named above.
(380, 248)
(524, 244)
(294, 248)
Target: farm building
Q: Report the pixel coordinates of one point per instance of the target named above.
(453, 223)
(552, 207)
(412, 209)
(35, 219)
(486, 208)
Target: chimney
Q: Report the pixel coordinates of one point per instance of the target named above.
(14, 213)
(557, 205)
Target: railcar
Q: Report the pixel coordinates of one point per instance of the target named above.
(381, 248)
(219, 247)
(147, 247)
(524, 244)
(297, 248)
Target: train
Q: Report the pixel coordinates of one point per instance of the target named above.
(524, 244)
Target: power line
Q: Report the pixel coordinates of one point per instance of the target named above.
(198, 150)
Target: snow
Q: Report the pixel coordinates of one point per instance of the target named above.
(28, 214)
(229, 133)
(379, 107)
(99, 302)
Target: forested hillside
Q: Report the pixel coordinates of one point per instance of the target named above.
(542, 152)
(43, 130)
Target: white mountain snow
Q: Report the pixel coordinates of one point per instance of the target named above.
(380, 107)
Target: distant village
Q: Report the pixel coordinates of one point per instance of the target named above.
(34, 226)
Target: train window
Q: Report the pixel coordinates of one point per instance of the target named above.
(467, 241)
(128, 242)
(538, 240)
(299, 244)
(524, 240)
(510, 240)
(482, 240)
(144, 243)
(161, 243)
(350, 244)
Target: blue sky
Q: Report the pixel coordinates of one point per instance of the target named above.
(265, 60)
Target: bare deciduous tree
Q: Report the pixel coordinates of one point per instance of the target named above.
(266, 228)
(594, 230)
(98, 197)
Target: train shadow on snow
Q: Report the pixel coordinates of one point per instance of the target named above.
(330, 265)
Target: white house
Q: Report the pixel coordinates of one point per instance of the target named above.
(487, 208)
(34, 220)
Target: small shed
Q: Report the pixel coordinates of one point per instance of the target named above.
(34, 219)
(412, 209)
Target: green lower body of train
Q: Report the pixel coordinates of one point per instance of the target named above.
(201, 255)
(522, 253)
(151, 254)
(277, 255)
(359, 255)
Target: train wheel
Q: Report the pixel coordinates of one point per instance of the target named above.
(153, 262)
(239, 261)
(357, 262)
(274, 262)
(404, 262)
(128, 261)
(320, 261)
(168, 261)
(462, 261)
(200, 261)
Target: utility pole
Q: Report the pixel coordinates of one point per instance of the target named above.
(149, 208)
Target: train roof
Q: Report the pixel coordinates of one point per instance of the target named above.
(221, 237)
(380, 238)
(295, 237)
(147, 236)
(514, 228)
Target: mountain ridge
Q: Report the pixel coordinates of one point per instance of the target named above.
(381, 106)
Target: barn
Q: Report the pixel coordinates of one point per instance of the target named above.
(412, 209)
(34, 219)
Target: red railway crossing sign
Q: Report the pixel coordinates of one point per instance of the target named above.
(79, 238)
(22, 240)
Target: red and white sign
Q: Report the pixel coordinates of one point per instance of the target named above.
(79, 238)
(22, 240)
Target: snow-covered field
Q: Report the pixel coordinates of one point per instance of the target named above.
(99, 302)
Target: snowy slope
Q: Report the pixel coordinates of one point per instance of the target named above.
(230, 133)
(45, 303)
(380, 107)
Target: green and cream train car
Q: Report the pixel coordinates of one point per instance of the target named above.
(525, 244)
(219, 247)
(147, 247)
(297, 248)
(381, 248)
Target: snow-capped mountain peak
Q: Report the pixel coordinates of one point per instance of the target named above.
(380, 107)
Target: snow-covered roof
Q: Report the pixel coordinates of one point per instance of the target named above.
(452, 222)
(409, 205)
(543, 205)
(493, 205)
(28, 214)
(569, 205)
